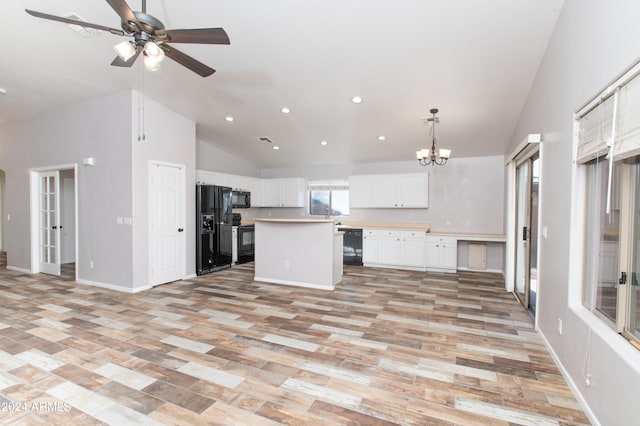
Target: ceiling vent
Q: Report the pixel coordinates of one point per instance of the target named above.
(83, 31)
(264, 139)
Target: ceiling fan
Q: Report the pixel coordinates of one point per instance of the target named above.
(150, 38)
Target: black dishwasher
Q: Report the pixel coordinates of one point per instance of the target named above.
(352, 246)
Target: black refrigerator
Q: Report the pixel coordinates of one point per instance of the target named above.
(214, 231)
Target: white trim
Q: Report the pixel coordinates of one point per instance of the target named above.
(608, 91)
(294, 283)
(531, 138)
(21, 270)
(491, 271)
(572, 385)
(111, 286)
(510, 244)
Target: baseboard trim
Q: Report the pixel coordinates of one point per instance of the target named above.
(108, 286)
(21, 270)
(294, 283)
(572, 385)
(493, 271)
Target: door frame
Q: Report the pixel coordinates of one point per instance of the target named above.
(182, 250)
(34, 182)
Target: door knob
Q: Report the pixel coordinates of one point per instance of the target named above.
(180, 229)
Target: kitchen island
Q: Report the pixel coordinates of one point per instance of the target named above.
(300, 252)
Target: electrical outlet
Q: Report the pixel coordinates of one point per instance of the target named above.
(91, 264)
(560, 326)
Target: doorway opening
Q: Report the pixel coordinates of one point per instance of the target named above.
(54, 220)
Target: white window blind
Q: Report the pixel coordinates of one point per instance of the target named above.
(328, 184)
(596, 119)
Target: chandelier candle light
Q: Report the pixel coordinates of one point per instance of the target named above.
(428, 156)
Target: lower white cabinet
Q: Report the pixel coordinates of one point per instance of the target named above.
(442, 253)
(369, 247)
(413, 249)
(394, 249)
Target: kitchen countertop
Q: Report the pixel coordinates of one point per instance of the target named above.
(423, 227)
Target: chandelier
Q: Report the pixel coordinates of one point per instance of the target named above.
(428, 156)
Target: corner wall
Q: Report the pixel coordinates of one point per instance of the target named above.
(98, 128)
(169, 138)
(593, 43)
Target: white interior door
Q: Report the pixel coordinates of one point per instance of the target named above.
(49, 222)
(167, 207)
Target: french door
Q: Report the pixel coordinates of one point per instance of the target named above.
(527, 196)
(49, 222)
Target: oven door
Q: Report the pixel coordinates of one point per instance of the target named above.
(246, 243)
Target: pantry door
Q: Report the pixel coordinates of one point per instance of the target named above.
(167, 220)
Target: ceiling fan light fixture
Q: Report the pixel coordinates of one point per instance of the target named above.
(125, 50)
(153, 56)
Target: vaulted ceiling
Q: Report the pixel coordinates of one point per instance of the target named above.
(474, 60)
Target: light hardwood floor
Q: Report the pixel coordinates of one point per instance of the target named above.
(386, 347)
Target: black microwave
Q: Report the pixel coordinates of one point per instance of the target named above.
(241, 199)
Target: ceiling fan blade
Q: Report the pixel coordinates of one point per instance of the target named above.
(187, 61)
(73, 22)
(195, 35)
(118, 62)
(123, 10)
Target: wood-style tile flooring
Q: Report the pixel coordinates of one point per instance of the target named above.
(386, 347)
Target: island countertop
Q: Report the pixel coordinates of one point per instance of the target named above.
(268, 219)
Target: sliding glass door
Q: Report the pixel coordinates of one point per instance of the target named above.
(526, 267)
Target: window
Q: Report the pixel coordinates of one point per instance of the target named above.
(608, 153)
(328, 198)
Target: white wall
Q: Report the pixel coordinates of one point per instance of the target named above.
(209, 157)
(466, 195)
(99, 128)
(593, 43)
(170, 138)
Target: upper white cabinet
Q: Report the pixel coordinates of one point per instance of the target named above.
(238, 182)
(409, 190)
(287, 192)
(256, 187)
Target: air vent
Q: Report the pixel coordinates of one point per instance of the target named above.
(83, 31)
(264, 139)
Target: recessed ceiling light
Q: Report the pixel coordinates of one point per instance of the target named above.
(276, 147)
(356, 100)
(382, 138)
(285, 110)
(324, 143)
(229, 118)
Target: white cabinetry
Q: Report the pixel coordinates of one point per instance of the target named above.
(442, 253)
(409, 190)
(256, 187)
(394, 249)
(237, 182)
(369, 247)
(389, 248)
(413, 249)
(287, 192)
